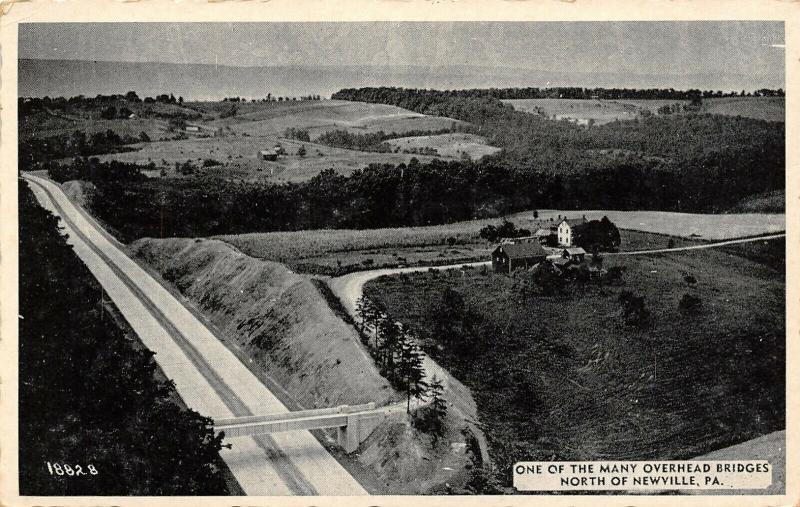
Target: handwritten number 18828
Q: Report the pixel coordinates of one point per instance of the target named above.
(69, 470)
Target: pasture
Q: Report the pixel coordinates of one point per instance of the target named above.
(239, 156)
(447, 145)
(261, 125)
(339, 251)
(599, 111)
(705, 226)
(272, 118)
(602, 111)
(564, 377)
(759, 108)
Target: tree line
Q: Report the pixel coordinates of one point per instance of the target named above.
(78, 144)
(394, 348)
(375, 141)
(29, 105)
(412, 194)
(88, 394)
(273, 98)
(574, 92)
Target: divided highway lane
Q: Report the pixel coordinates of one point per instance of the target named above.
(209, 378)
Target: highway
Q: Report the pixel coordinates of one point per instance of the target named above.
(209, 378)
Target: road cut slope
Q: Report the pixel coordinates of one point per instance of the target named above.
(207, 375)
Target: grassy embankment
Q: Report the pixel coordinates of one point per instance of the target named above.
(564, 377)
(280, 323)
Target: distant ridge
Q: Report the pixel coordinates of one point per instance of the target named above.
(38, 78)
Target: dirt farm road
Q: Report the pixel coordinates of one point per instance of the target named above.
(209, 378)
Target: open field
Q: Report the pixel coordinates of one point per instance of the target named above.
(563, 377)
(336, 252)
(707, 226)
(272, 118)
(606, 110)
(59, 126)
(600, 111)
(759, 108)
(238, 155)
(260, 126)
(767, 202)
(447, 145)
(340, 251)
(151, 118)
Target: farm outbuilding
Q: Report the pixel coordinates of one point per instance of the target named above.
(509, 256)
(575, 254)
(192, 128)
(268, 155)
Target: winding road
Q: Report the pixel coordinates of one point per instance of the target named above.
(209, 378)
(349, 288)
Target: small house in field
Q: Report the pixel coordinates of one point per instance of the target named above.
(269, 155)
(192, 128)
(510, 256)
(574, 254)
(566, 232)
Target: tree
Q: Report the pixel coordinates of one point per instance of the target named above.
(109, 113)
(389, 347)
(602, 234)
(431, 419)
(489, 233)
(448, 316)
(143, 137)
(410, 368)
(301, 151)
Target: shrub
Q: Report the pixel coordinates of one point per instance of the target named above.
(546, 277)
(689, 303)
(614, 274)
(634, 309)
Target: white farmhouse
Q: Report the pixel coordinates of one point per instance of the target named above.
(565, 230)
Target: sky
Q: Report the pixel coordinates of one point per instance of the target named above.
(752, 48)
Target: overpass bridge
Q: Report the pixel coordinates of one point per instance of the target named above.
(353, 423)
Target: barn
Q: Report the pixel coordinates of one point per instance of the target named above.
(508, 257)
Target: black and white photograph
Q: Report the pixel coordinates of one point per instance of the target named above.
(429, 258)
